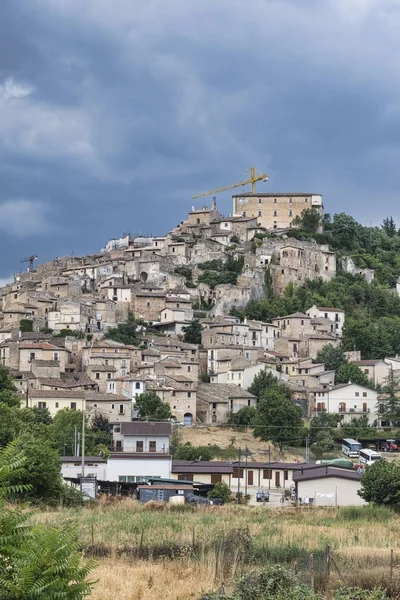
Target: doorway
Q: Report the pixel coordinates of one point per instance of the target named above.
(249, 477)
(277, 479)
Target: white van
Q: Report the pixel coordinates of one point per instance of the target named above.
(368, 457)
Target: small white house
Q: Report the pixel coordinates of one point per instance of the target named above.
(333, 314)
(328, 486)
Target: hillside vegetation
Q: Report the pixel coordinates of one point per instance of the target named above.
(372, 309)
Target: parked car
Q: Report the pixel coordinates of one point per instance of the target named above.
(262, 496)
(217, 502)
(197, 500)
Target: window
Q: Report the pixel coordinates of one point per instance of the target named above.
(189, 394)
(108, 375)
(121, 409)
(174, 393)
(216, 478)
(214, 405)
(237, 473)
(137, 386)
(73, 406)
(364, 394)
(244, 213)
(357, 394)
(123, 372)
(152, 446)
(260, 213)
(290, 213)
(305, 200)
(123, 363)
(290, 200)
(259, 201)
(32, 356)
(267, 474)
(275, 200)
(97, 375)
(285, 475)
(366, 371)
(187, 476)
(95, 405)
(56, 404)
(148, 304)
(122, 479)
(55, 356)
(139, 446)
(275, 213)
(106, 361)
(41, 404)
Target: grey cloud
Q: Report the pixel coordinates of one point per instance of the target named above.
(131, 108)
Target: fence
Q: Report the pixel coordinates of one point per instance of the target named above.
(349, 567)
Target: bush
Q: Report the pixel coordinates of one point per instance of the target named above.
(220, 490)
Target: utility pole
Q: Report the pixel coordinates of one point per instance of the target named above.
(245, 476)
(269, 467)
(239, 476)
(307, 449)
(83, 441)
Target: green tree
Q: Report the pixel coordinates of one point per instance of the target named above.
(220, 490)
(332, 357)
(323, 444)
(192, 332)
(36, 562)
(325, 422)
(189, 452)
(264, 381)
(26, 325)
(278, 419)
(7, 388)
(389, 400)
(62, 430)
(389, 226)
(150, 407)
(357, 428)
(381, 484)
(127, 333)
(243, 417)
(310, 220)
(351, 372)
(101, 423)
(42, 473)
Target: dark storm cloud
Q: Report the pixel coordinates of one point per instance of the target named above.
(114, 114)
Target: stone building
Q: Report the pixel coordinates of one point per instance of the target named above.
(215, 401)
(275, 211)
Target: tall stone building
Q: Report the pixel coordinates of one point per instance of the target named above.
(275, 211)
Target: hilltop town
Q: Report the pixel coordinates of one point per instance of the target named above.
(55, 319)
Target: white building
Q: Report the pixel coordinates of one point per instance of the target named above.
(328, 486)
(349, 400)
(336, 315)
(95, 466)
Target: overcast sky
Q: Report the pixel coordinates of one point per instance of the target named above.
(114, 113)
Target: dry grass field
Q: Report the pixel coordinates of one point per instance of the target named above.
(176, 553)
(227, 438)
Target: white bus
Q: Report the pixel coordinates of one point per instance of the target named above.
(368, 457)
(351, 447)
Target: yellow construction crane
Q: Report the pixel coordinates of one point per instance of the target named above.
(253, 179)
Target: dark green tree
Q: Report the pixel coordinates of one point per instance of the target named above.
(278, 420)
(326, 422)
(381, 484)
(332, 357)
(150, 407)
(358, 428)
(62, 430)
(243, 417)
(127, 333)
(192, 332)
(389, 400)
(310, 220)
(264, 381)
(351, 372)
(42, 472)
(189, 452)
(101, 423)
(220, 490)
(323, 444)
(389, 226)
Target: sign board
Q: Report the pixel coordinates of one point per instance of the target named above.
(89, 487)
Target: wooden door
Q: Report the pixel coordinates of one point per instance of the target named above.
(250, 477)
(277, 479)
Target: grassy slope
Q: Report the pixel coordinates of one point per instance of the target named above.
(361, 540)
